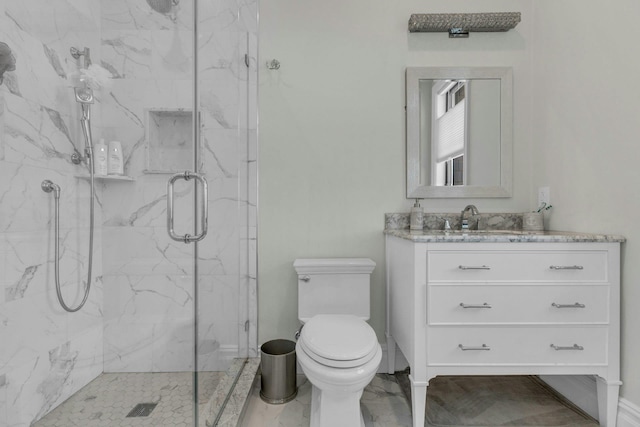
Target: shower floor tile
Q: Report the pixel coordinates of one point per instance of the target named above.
(106, 401)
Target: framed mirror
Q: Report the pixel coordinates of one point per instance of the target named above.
(459, 132)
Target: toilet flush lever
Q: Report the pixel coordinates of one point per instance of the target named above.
(305, 278)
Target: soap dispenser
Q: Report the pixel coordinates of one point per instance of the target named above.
(417, 217)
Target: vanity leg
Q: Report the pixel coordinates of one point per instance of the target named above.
(607, 401)
(391, 355)
(418, 401)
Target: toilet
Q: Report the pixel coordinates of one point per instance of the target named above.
(337, 350)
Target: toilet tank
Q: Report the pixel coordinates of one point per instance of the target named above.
(333, 286)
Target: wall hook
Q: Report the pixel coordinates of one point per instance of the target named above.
(274, 64)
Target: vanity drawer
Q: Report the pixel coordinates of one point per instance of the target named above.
(505, 304)
(517, 345)
(548, 266)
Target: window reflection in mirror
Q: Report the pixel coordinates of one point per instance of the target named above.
(448, 136)
(458, 132)
(462, 123)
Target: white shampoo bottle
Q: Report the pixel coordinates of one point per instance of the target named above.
(116, 162)
(100, 158)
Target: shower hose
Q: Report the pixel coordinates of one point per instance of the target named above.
(49, 187)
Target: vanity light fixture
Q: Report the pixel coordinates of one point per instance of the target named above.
(460, 24)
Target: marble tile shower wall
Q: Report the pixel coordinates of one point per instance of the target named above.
(140, 313)
(46, 354)
(148, 316)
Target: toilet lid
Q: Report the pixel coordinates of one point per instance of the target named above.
(339, 340)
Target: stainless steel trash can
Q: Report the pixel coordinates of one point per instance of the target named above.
(278, 364)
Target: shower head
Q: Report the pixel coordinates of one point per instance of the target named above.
(84, 95)
(162, 6)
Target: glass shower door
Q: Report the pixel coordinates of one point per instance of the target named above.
(164, 321)
(226, 258)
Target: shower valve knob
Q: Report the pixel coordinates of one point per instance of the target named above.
(48, 187)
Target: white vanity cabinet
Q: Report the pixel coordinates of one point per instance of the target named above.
(486, 307)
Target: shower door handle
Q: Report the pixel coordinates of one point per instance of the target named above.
(204, 208)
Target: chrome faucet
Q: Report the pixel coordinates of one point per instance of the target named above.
(464, 224)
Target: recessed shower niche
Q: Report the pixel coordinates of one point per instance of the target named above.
(168, 132)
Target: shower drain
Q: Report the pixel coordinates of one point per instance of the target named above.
(142, 410)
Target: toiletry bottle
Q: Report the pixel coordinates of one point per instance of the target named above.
(115, 165)
(417, 217)
(100, 158)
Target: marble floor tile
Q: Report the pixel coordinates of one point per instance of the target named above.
(383, 405)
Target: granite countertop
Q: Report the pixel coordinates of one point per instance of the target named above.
(504, 236)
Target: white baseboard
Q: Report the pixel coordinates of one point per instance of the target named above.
(400, 365)
(581, 390)
(628, 414)
(382, 369)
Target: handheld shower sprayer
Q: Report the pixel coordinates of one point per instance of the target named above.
(84, 96)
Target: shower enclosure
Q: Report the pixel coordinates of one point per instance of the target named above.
(168, 322)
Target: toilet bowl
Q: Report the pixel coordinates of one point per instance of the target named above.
(339, 354)
(337, 349)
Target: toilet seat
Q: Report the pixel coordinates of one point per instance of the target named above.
(339, 341)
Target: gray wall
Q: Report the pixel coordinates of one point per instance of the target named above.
(585, 112)
(332, 138)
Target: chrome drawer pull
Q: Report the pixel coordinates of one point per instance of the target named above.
(576, 305)
(485, 305)
(566, 267)
(573, 347)
(472, 267)
(484, 347)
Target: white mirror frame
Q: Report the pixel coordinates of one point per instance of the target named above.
(417, 189)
